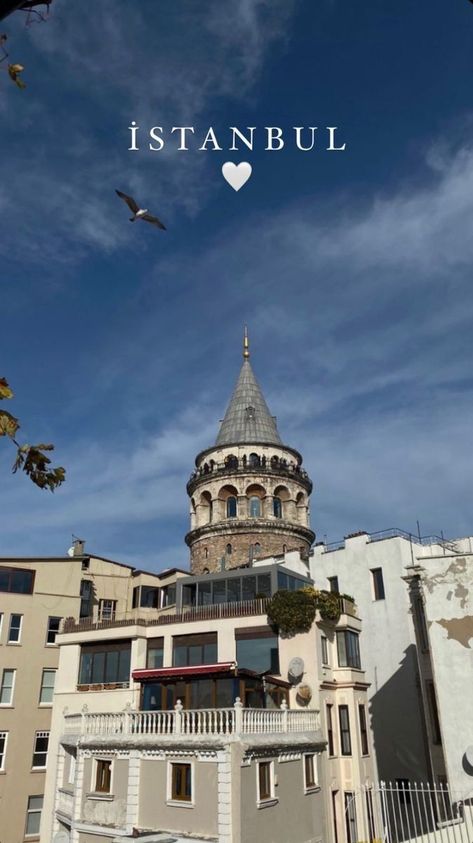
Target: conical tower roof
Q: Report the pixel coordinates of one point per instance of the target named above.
(247, 419)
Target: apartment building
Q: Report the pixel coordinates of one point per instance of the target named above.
(36, 596)
(209, 725)
(413, 595)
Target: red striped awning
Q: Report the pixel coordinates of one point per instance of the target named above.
(178, 672)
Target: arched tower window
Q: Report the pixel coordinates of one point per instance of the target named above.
(274, 462)
(257, 548)
(253, 461)
(277, 507)
(231, 507)
(231, 461)
(228, 549)
(254, 507)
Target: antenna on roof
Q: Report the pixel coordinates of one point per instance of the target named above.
(246, 344)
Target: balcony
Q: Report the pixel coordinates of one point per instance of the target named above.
(216, 611)
(283, 469)
(211, 722)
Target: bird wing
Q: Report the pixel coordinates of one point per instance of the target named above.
(129, 201)
(154, 221)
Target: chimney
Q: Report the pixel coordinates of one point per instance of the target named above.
(77, 548)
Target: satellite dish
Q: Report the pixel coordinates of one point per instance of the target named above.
(70, 552)
(304, 694)
(469, 755)
(61, 837)
(296, 669)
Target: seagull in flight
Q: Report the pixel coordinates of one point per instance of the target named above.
(139, 213)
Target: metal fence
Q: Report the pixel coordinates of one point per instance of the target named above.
(398, 812)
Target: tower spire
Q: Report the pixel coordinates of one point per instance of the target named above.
(246, 345)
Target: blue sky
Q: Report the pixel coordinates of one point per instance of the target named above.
(353, 270)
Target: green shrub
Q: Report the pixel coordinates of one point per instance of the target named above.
(292, 611)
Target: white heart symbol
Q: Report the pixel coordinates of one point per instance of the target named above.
(236, 174)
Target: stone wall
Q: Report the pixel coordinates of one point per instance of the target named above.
(207, 552)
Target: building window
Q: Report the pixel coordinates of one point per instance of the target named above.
(16, 580)
(253, 460)
(47, 687)
(370, 815)
(3, 749)
(257, 549)
(103, 775)
(254, 507)
(181, 782)
(154, 653)
(53, 629)
(333, 584)
(228, 549)
(363, 730)
(106, 663)
(324, 643)
(40, 751)
(33, 815)
(85, 564)
(350, 816)
(7, 686)
(231, 507)
(434, 715)
(194, 649)
(14, 632)
(277, 507)
(348, 649)
(1, 623)
(265, 774)
(86, 595)
(107, 610)
(378, 583)
(257, 649)
(421, 624)
(310, 772)
(330, 738)
(345, 738)
(168, 595)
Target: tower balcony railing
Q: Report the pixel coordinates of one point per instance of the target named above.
(283, 468)
(235, 720)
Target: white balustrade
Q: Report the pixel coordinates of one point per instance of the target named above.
(204, 721)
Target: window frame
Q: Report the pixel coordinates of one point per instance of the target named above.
(107, 616)
(3, 753)
(30, 811)
(1, 624)
(11, 572)
(97, 766)
(17, 641)
(346, 749)
(377, 584)
(324, 651)
(349, 654)
(269, 798)
(331, 581)
(310, 784)
(231, 507)
(11, 670)
(104, 650)
(256, 634)
(172, 796)
(252, 500)
(40, 735)
(43, 687)
(200, 640)
(49, 630)
(152, 647)
(330, 731)
(364, 742)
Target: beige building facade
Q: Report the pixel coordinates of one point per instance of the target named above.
(36, 596)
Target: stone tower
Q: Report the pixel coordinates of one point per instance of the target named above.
(249, 494)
